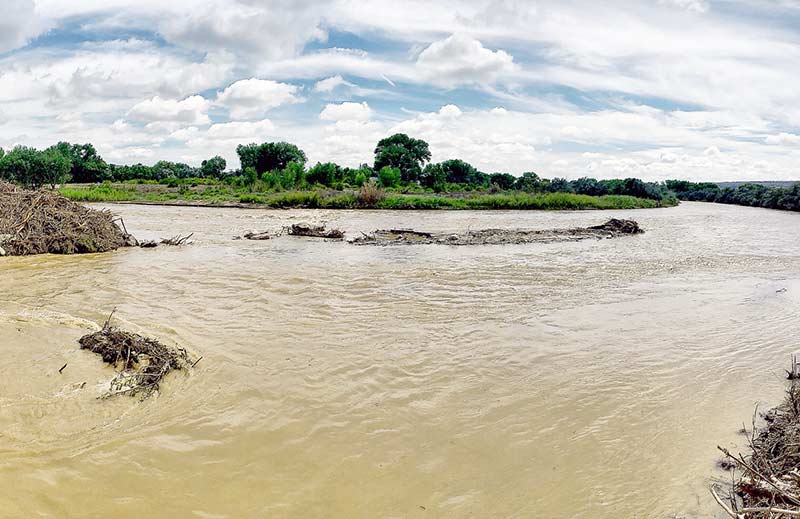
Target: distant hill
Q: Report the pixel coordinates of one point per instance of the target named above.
(768, 183)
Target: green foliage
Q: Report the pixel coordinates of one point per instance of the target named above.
(389, 176)
(404, 153)
(33, 168)
(102, 193)
(249, 178)
(749, 194)
(213, 167)
(324, 174)
(269, 156)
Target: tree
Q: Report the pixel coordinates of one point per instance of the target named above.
(459, 172)
(275, 156)
(503, 180)
(530, 183)
(559, 185)
(325, 174)
(293, 175)
(213, 167)
(434, 177)
(87, 165)
(248, 154)
(404, 153)
(54, 167)
(389, 176)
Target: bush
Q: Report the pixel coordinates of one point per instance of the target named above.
(370, 195)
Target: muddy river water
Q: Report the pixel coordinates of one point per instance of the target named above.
(570, 380)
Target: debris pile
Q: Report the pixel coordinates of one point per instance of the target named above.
(611, 229)
(768, 483)
(40, 222)
(315, 231)
(141, 362)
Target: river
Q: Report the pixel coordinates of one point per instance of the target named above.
(569, 380)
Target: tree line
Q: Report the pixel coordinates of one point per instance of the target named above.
(750, 194)
(400, 162)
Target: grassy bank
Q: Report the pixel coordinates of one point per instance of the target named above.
(225, 195)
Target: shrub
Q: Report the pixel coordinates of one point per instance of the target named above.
(370, 195)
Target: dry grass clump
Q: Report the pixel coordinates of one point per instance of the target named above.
(370, 195)
(40, 222)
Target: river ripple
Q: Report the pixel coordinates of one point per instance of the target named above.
(588, 379)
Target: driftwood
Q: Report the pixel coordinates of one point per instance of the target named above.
(40, 222)
(142, 363)
(768, 485)
(177, 240)
(257, 236)
(314, 231)
(611, 229)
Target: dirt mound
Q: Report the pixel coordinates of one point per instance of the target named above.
(769, 482)
(40, 222)
(142, 362)
(611, 229)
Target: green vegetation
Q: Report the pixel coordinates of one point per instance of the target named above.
(369, 196)
(274, 174)
(750, 194)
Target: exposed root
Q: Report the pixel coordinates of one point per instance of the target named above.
(177, 240)
(611, 229)
(769, 483)
(40, 222)
(141, 362)
(315, 231)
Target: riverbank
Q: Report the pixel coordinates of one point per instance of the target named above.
(226, 196)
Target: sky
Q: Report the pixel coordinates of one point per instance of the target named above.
(655, 89)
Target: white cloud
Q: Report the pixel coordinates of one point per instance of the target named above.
(256, 29)
(251, 98)
(19, 23)
(346, 112)
(784, 139)
(257, 131)
(460, 59)
(330, 84)
(192, 110)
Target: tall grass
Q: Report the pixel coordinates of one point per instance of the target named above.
(98, 194)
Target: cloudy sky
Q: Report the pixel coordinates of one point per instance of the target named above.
(699, 89)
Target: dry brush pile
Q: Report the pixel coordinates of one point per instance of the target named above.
(40, 222)
(141, 362)
(766, 483)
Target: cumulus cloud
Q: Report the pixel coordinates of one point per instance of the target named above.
(257, 29)
(19, 23)
(192, 110)
(460, 59)
(346, 112)
(251, 98)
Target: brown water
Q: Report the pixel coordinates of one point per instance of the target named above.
(568, 380)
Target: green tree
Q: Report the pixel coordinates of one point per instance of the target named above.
(248, 155)
(54, 167)
(389, 176)
(275, 156)
(325, 174)
(213, 167)
(559, 185)
(530, 183)
(503, 180)
(434, 177)
(457, 171)
(87, 165)
(293, 175)
(404, 153)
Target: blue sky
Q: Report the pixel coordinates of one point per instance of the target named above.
(658, 89)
